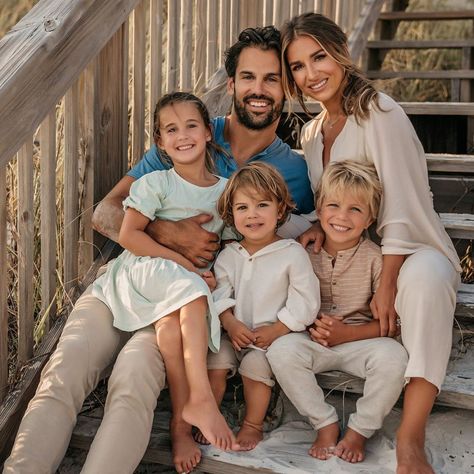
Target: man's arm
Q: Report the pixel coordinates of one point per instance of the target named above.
(186, 237)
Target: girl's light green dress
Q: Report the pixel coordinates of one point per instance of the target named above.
(141, 290)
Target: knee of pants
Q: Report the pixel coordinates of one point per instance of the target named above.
(287, 351)
(255, 366)
(139, 371)
(224, 359)
(390, 358)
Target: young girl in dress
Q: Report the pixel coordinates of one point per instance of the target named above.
(151, 284)
(420, 270)
(266, 288)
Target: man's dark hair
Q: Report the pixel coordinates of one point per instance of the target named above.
(266, 38)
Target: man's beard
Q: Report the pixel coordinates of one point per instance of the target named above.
(253, 122)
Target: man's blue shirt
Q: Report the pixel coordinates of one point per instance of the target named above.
(289, 163)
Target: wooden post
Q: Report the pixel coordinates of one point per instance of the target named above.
(211, 40)
(138, 95)
(267, 12)
(25, 252)
(3, 285)
(71, 194)
(234, 21)
(48, 217)
(200, 45)
(224, 30)
(186, 46)
(156, 59)
(172, 46)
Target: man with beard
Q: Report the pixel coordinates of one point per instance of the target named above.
(89, 342)
(247, 134)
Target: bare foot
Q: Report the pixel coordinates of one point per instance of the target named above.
(206, 416)
(249, 435)
(325, 444)
(186, 453)
(351, 448)
(200, 438)
(411, 458)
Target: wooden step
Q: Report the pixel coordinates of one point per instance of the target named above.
(427, 16)
(458, 387)
(410, 108)
(432, 44)
(441, 74)
(458, 226)
(446, 163)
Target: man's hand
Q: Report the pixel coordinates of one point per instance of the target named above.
(187, 237)
(329, 331)
(314, 234)
(265, 335)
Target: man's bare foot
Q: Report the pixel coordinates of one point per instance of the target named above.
(249, 435)
(325, 444)
(200, 438)
(351, 448)
(411, 457)
(186, 453)
(206, 416)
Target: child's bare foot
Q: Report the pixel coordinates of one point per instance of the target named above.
(411, 458)
(325, 444)
(200, 438)
(186, 453)
(249, 435)
(351, 448)
(206, 416)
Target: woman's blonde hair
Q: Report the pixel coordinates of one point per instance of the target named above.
(355, 177)
(358, 91)
(258, 178)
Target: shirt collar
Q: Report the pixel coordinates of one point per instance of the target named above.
(344, 253)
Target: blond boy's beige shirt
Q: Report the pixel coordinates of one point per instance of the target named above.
(406, 221)
(348, 280)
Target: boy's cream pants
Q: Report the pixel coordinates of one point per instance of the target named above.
(88, 345)
(425, 303)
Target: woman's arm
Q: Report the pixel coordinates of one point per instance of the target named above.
(133, 237)
(383, 302)
(314, 234)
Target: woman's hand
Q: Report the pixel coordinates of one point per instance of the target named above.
(314, 234)
(383, 308)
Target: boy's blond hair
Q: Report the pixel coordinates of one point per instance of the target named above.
(354, 176)
(259, 178)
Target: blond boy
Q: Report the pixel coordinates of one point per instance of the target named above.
(345, 335)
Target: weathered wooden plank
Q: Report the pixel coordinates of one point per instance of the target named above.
(458, 226)
(224, 30)
(267, 12)
(156, 59)
(158, 451)
(48, 217)
(186, 66)
(12, 409)
(25, 252)
(42, 57)
(138, 91)
(450, 163)
(71, 189)
(411, 44)
(234, 21)
(211, 38)
(172, 48)
(3, 285)
(365, 24)
(440, 74)
(411, 108)
(200, 25)
(432, 15)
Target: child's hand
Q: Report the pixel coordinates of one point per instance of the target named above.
(329, 330)
(265, 335)
(210, 279)
(239, 334)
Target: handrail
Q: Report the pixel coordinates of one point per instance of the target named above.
(42, 57)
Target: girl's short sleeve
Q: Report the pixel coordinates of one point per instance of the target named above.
(147, 193)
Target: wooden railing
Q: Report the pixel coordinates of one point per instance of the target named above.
(78, 79)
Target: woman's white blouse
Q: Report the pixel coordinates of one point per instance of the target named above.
(407, 221)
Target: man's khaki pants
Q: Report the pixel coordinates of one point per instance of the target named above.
(88, 345)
